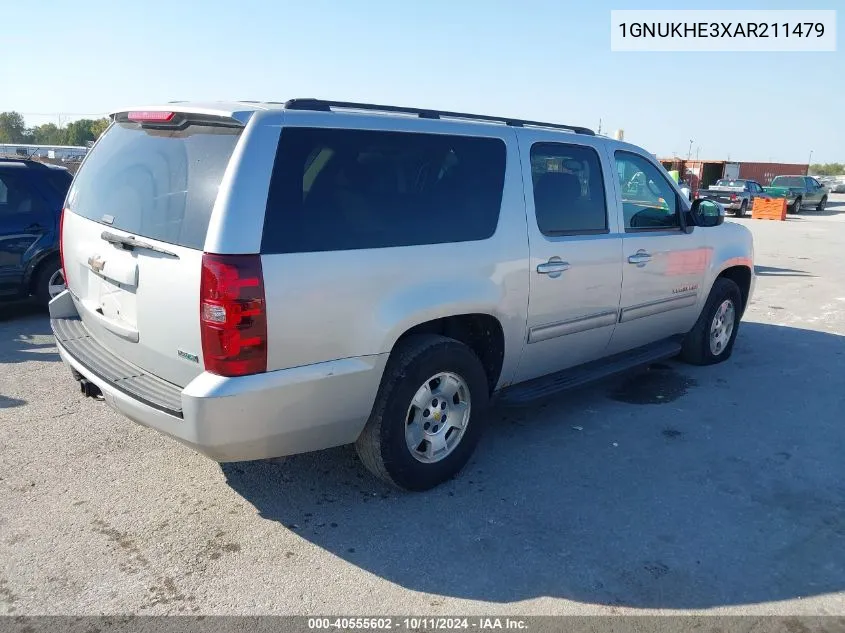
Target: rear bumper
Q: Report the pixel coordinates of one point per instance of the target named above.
(251, 417)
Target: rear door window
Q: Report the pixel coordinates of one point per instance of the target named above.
(335, 190)
(568, 189)
(156, 183)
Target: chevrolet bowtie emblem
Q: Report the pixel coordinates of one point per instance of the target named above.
(96, 263)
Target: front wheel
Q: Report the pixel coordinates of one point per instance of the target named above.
(429, 413)
(711, 339)
(822, 204)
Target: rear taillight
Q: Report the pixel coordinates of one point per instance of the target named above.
(733, 197)
(233, 316)
(61, 245)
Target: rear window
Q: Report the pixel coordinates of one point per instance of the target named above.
(59, 180)
(155, 183)
(352, 189)
(788, 181)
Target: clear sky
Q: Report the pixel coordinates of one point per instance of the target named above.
(547, 60)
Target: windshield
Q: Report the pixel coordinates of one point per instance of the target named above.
(730, 183)
(788, 181)
(159, 184)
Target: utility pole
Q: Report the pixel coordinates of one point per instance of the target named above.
(689, 153)
(810, 160)
(697, 150)
(599, 126)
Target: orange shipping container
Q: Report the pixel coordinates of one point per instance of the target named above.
(764, 172)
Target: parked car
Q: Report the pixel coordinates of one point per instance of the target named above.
(800, 192)
(835, 184)
(258, 280)
(31, 196)
(736, 195)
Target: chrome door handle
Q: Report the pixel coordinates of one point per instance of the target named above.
(640, 258)
(553, 268)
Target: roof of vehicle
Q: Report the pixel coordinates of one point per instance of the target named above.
(28, 162)
(242, 110)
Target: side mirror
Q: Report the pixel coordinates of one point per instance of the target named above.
(707, 213)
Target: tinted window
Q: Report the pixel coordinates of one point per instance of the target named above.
(352, 189)
(16, 198)
(648, 200)
(568, 189)
(159, 184)
(59, 181)
(788, 181)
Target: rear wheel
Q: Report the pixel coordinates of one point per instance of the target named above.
(742, 209)
(712, 338)
(822, 204)
(796, 206)
(429, 413)
(49, 281)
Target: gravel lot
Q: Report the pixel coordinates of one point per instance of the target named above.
(681, 488)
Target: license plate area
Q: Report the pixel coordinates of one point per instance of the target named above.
(112, 285)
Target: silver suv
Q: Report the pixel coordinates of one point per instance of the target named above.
(259, 279)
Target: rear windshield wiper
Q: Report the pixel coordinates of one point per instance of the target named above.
(131, 242)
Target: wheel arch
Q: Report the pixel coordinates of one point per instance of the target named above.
(480, 331)
(741, 275)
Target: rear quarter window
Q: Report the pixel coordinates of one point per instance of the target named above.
(156, 183)
(336, 189)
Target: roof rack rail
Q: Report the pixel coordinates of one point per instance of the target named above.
(326, 106)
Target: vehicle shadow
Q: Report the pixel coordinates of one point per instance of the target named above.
(25, 334)
(833, 207)
(727, 490)
(9, 403)
(772, 271)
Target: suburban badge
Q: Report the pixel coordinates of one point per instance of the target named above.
(188, 356)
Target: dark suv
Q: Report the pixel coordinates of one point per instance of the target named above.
(31, 197)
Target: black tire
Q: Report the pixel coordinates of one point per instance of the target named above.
(696, 347)
(796, 207)
(41, 287)
(382, 446)
(822, 204)
(743, 208)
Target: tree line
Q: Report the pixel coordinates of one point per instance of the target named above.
(827, 169)
(13, 130)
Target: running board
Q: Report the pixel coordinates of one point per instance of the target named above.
(543, 386)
